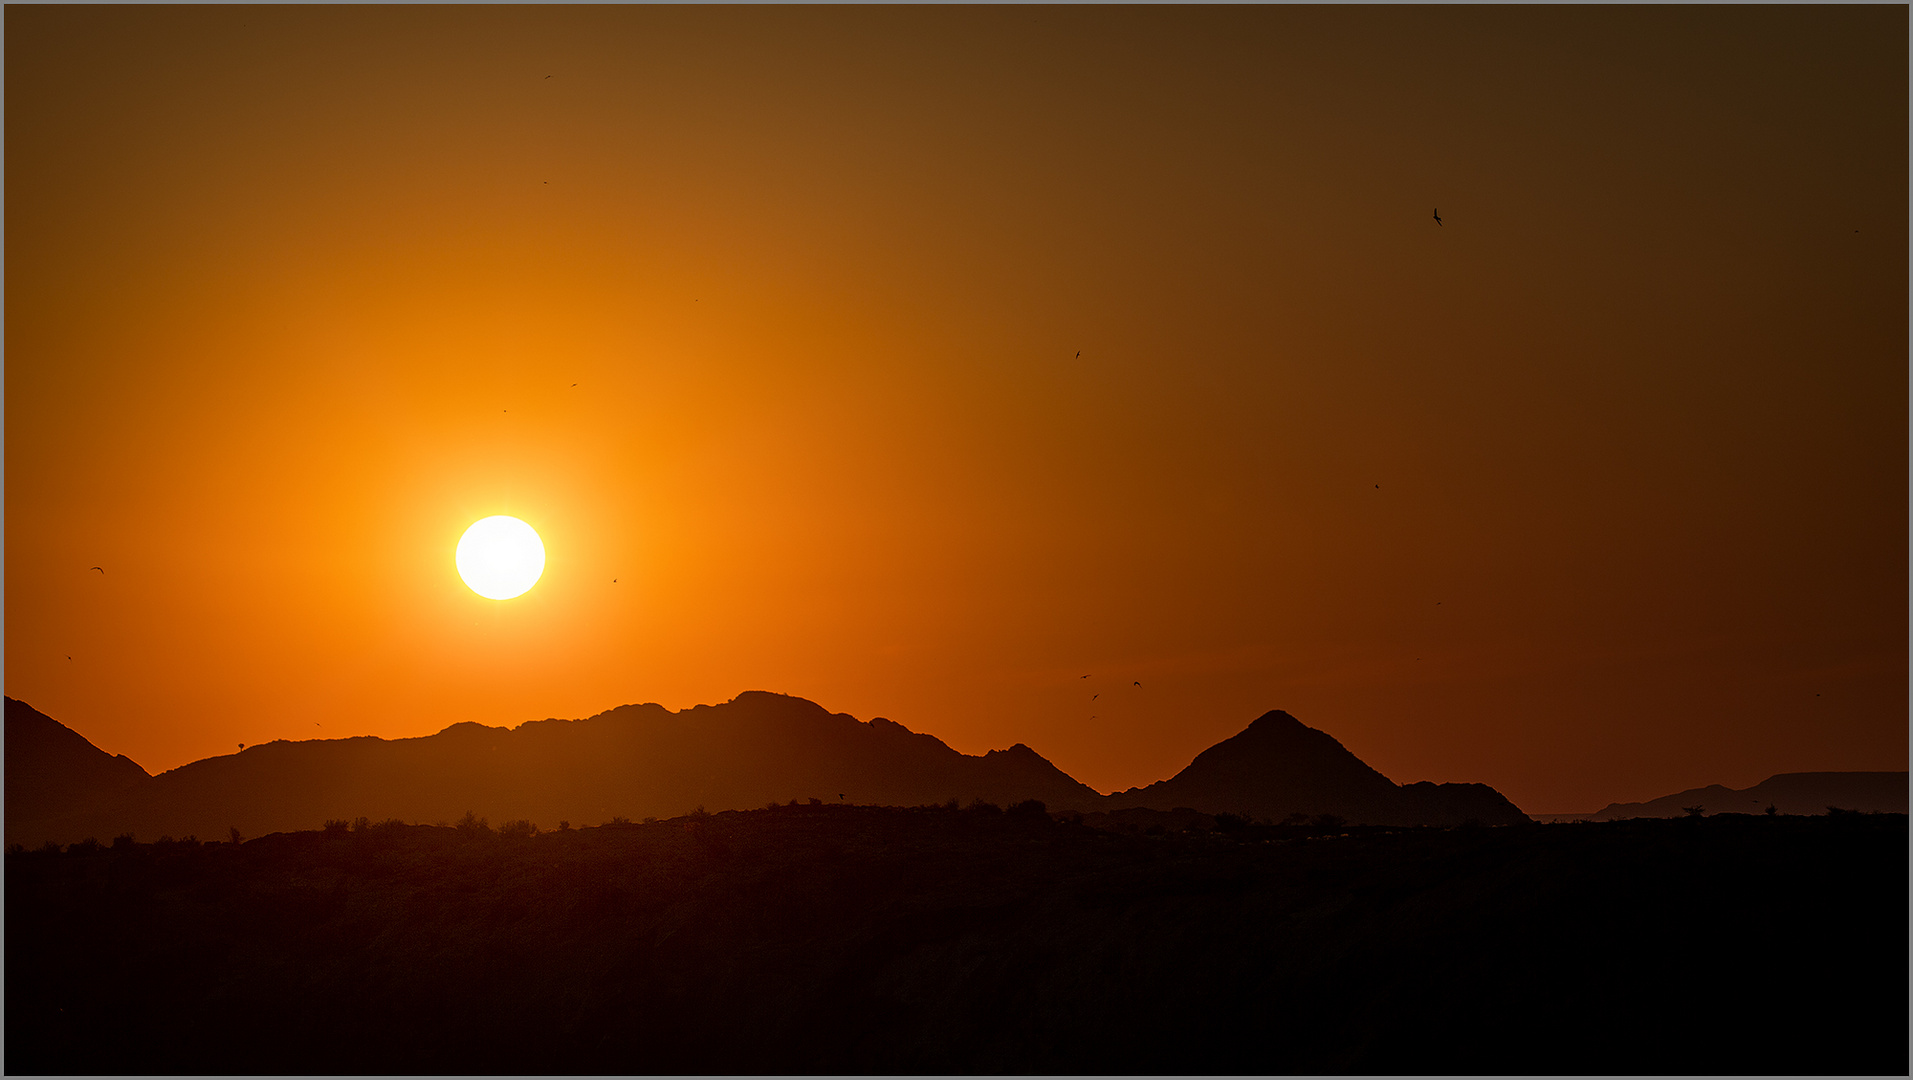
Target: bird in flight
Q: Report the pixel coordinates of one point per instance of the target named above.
(96, 568)
(1085, 676)
(1093, 697)
(840, 796)
(547, 76)
(1079, 354)
(1135, 684)
(1437, 215)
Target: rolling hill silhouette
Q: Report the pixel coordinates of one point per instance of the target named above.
(1789, 793)
(643, 760)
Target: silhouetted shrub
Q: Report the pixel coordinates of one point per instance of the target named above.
(361, 824)
(700, 813)
(978, 806)
(473, 825)
(233, 831)
(521, 829)
(1029, 810)
(123, 842)
(620, 819)
(88, 846)
(564, 826)
(648, 821)
(1231, 822)
(1692, 811)
(1331, 821)
(1297, 818)
(1771, 810)
(816, 802)
(16, 849)
(952, 803)
(336, 826)
(50, 848)
(1841, 811)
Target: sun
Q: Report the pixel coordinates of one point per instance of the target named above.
(500, 557)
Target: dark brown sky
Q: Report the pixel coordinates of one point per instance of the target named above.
(294, 295)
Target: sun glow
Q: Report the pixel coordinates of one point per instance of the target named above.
(500, 557)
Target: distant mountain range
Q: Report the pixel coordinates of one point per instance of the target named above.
(644, 760)
(1787, 793)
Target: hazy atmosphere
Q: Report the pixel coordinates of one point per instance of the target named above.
(923, 361)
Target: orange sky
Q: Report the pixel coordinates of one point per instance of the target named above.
(294, 295)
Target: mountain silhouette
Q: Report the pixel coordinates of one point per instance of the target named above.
(1789, 793)
(639, 761)
(55, 775)
(1279, 767)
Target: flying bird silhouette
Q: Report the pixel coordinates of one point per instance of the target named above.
(96, 568)
(1135, 684)
(1079, 354)
(1085, 676)
(1437, 215)
(1093, 697)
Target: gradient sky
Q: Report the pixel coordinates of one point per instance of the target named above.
(295, 294)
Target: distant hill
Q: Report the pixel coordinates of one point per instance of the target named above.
(1788, 793)
(1280, 766)
(639, 761)
(55, 775)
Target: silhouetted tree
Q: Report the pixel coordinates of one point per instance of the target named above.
(16, 849)
(361, 824)
(1297, 818)
(1771, 810)
(473, 825)
(336, 826)
(978, 806)
(1328, 821)
(123, 842)
(88, 846)
(233, 831)
(520, 829)
(564, 826)
(1029, 810)
(1692, 811)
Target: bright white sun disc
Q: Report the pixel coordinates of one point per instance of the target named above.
(500, 557)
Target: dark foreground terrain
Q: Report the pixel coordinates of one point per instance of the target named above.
(857, 939)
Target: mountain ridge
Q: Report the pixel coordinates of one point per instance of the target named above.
(641, 760)
(1788, 793)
